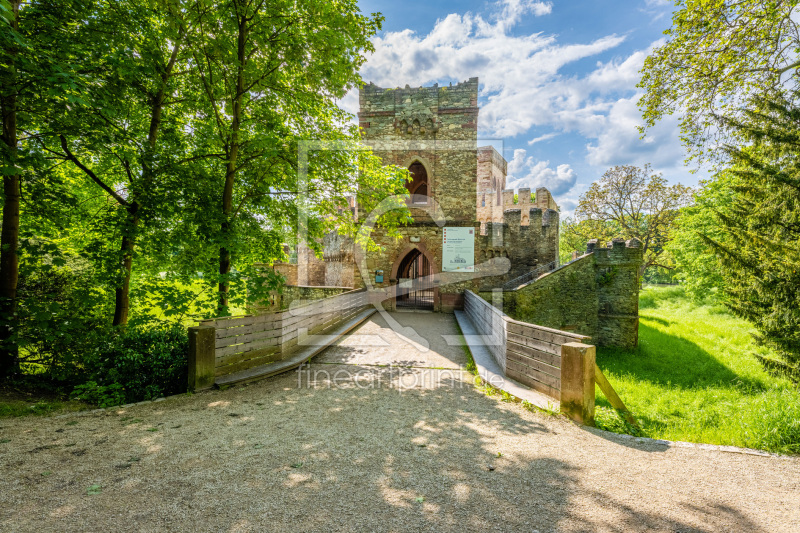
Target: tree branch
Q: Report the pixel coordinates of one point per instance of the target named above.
(114, 194)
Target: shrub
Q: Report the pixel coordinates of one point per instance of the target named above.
(57, 307)
(135, 364)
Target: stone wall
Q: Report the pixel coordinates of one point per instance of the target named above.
(544, 201)
(280, 301)
(618, 292)
(492, 168)
(427, 238)
(597, 295)
(288, 271)
(526, 246)
(436, 126)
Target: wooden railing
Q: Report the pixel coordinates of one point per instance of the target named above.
(243, 342)
(527, 353)
(556, 363)
(490, 323)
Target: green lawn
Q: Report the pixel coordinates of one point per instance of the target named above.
(693, 378)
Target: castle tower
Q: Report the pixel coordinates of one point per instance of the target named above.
(432, 131)
(492, 168)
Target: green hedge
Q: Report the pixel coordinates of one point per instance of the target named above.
(135, 364)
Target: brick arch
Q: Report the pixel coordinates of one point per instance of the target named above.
(423, 249)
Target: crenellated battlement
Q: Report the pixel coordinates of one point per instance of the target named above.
(468, 86)
(618, 251)
(544, 200)
(378, 100)
(527, 238)
(530, 216)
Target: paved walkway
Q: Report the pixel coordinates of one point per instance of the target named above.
(364, 450)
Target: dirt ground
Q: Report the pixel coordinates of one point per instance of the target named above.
(345, 445)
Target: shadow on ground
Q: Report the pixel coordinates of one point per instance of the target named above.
(665, 359)
(340, 454)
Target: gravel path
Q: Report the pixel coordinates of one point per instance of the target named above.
(371, 448)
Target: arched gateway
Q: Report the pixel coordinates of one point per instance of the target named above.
(415, 288)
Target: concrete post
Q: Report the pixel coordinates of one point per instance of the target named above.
(577, 382)
(201, 357)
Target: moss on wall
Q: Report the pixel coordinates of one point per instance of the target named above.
(597, 295)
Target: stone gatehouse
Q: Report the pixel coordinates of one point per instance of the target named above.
(433, 131)
(468, 231)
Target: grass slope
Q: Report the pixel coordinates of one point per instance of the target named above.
(694, 378)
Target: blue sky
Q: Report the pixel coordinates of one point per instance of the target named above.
(557, 80)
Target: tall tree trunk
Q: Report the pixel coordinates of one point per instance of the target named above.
(230, 173)
(122, 293)
(9, 239)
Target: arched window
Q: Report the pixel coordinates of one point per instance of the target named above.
(418, 186)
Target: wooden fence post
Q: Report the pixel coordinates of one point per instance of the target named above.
(577, 382)
(201, 357)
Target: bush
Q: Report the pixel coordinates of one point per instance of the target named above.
(136, 364)
(57, 307)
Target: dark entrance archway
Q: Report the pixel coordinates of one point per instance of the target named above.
(415, 289)
(418, 187)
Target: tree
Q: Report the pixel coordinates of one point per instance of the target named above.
(699, 265)
(270, 73)
(34, 72)
(9, 241)
(114, 135)
(717, 57)
(630, 202)
(759, 258)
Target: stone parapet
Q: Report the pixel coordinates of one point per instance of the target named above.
(596, 295)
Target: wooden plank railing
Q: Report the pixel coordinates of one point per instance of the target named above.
(527, 353)
(242, 342)
(533, 355)
(490, 323)
(556, 363)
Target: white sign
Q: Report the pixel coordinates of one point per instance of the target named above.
(458, 250)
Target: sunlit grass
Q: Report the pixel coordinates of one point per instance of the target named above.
(199, 295)
(694, 378)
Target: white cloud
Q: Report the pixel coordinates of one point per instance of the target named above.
(524, 171)
(542, 138)
(619, 141)
(526, 91)
(517, 72)
(513, 10)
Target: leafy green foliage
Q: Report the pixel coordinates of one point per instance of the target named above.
(717, 57)
(752, 244)
(57, 309)
(631, 203)
(763, 272)
(100, 395)
(157, 147)
(699, 265)
(136, 364)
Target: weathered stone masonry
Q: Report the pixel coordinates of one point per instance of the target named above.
(432, 131)
(597, 295)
